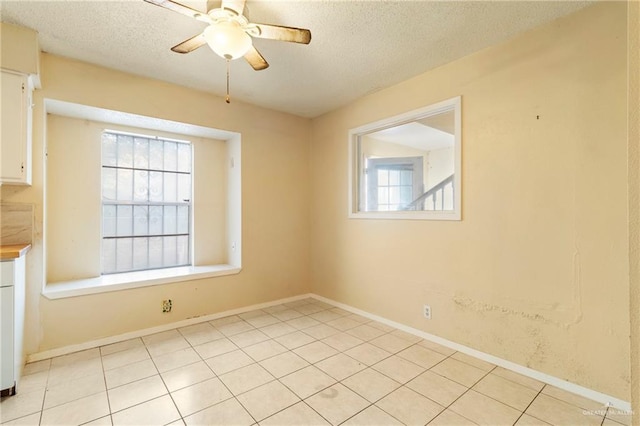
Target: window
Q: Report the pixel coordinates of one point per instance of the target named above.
(146, 202)
(408, 166)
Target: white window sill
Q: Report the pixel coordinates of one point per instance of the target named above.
(137, 279)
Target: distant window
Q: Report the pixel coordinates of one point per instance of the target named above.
(146, 202)
(393, 183)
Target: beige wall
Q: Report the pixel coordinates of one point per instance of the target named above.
(634, 199)
(536, 272)
(275, 205)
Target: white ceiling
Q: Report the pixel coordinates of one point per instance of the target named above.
(357, 47)
(415, 135)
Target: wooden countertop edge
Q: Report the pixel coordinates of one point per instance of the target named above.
(13, 251)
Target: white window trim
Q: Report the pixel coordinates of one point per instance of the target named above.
(138, 279)
(353, 169)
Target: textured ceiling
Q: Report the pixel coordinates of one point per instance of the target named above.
(357, 47)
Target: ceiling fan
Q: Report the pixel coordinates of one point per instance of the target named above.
(229, 32)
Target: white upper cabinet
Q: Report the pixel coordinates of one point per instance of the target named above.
(15, 137)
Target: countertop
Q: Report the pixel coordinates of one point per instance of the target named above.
(13, 251)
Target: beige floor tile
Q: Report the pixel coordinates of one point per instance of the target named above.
(163, 336)
(505, 391)
(380, 326)
(124, 357)
(458, 371)
(230, 361)
(130, 373)
(163, 347)
(366, 332)
(77, 412)
(227, 413)
(484, 410)
(302, 323)
(406, 336)
(200, 333)
(609, 422)
(340, 366)
(368, 354)
(294, 340)
(321, 331)
(527, 420)
(478, 363)
(449, 418)
(159, 411)
(316, 351)
(218, 322)
(175, 359)
(558, 412)
(248, 338)
(370, 384)
(372, 416)
(178, 422)
(390, 343)
(409, 406)
(573, 399)
(36, 367)
(200, 396)
(343, 323)
(75, 358)
(217, 347)
(287, 315)
(422, 356)
(359, 318)
(33, 382)
(284, 364)
(76, 370)
(263, 320)
(252, 314)
(436, 347)
(307, 381)
(264, 350)
(246, 378)
(309, 309)
(277, 308)
(342, 341)
(121, 346)
(299, 414)
(20, 405)
(134, 393)
(74, 389)
(620, 416)
(268, 399)
(339, 311)
(30, 420)
(187, 376)
(518, 378)
(437, 388)
(233, 328)
(398, 369)
(325, 316)
(337, 403)
(277, 330)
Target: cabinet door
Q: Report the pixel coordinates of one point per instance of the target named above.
(14, 121)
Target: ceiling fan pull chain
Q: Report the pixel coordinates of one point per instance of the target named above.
(227, 99)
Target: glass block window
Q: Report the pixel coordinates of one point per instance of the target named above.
(146, 202)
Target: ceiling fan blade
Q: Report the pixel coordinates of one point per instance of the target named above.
(177, 7)
(190, 45)
(277, 32)
(235, 5)
(255, 59)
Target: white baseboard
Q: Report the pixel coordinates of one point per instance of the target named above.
(525, 371)
(65, 350)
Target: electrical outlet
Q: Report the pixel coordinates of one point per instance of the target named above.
(427, 312)
(166, 306)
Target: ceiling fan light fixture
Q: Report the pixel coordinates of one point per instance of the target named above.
(228, 39)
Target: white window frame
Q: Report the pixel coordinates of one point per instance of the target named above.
(356, 164)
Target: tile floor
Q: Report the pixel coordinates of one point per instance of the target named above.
(300, 363)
